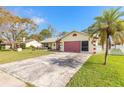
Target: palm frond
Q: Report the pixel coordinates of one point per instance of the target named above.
(109, 24)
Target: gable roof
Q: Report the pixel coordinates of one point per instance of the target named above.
(49, 40)
(74, 32)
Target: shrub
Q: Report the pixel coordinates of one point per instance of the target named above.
(23, 46)
(2, 47)
(33, 48)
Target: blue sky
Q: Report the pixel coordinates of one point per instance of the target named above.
(62, 18)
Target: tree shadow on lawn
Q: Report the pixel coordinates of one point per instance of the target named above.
(96, 62)
(72, 62)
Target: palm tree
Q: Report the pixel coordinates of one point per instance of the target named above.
(108, 27)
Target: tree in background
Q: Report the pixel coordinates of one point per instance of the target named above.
(108, 27)
(23, 35)
(5, 16)
(37, 37)
(54, 32)
(15, 29)
(61, 34)
(45, 33)
(12, 27)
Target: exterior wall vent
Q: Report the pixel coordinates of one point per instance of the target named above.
(74, 34)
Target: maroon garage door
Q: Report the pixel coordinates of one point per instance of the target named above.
(73, 46)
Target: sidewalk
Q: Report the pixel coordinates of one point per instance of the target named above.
(8, 81)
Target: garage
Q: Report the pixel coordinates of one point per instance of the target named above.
(72, 46)
(75, 42)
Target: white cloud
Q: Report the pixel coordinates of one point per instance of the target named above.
(38, 20)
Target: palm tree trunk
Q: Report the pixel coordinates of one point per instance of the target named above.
(106, 52)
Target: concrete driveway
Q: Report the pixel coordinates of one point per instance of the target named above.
(54, 70)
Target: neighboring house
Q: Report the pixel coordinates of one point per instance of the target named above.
(71, 42)
(6, 45)
(32, 42)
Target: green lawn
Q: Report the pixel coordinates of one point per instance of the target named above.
(10, 56)
(93, 73)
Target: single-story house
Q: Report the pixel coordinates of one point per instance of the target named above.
(71, 42)
(76, 42)
(6, 45)
(32, 42)
(49, 43)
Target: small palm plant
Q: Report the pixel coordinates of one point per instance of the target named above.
(109, 27)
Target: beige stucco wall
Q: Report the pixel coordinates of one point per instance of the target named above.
(79, 37)
(52, 45)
